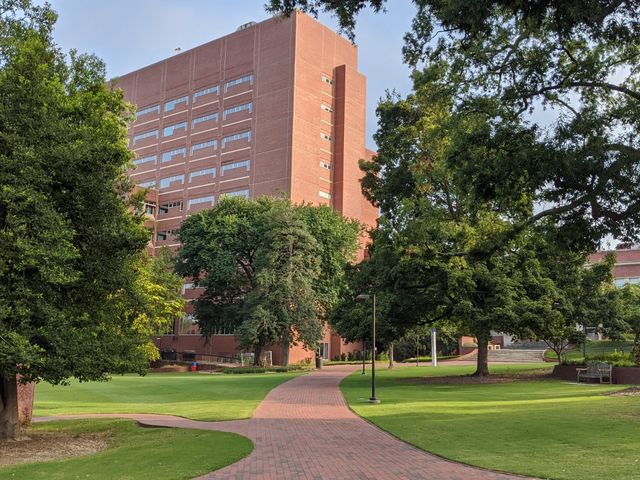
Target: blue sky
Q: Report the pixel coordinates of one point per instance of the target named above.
(131, 34)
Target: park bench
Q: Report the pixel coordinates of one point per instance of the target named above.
(599, 370)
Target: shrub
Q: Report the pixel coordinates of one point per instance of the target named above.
(615, 358)
(427, 359)
(276, 369)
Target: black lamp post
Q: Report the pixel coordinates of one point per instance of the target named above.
(373, 398)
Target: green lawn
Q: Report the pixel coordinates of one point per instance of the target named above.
(137, 453)
(594, 347)
(195, 396)
(545, 428)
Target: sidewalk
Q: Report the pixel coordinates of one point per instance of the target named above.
(304, 430)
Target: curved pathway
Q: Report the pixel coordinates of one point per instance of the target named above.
(304, 430)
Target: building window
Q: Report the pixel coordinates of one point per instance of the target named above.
(140, 161)
(238, 81)
(324, 136)
(206, 91)
(146, 111)
(149, 184)
(165, 234)
(225, 330)
(237, 136)
(326, 108)
(186, 286)
(634, 280)
(621, 282)
(324, 194)
(324, 351)
(195, 201)
(172, 104)
(166, 182)
(230, 166)
(188, 325)
(327, 80)
(202, 173)
(149, 208)
(237, 193)
(142, 136)
(325, 165)
(206, 118)
(238, 108)
(200, 146)
(168, 131)
(168, 156)
(165, 207)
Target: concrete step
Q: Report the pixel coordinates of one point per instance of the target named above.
(513, 355)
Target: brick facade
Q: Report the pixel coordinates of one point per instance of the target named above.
(276, 107)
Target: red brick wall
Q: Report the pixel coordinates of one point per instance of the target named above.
(288, 58)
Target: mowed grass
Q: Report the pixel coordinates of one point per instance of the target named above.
(543, 428)
(196, 396)
(136, 453)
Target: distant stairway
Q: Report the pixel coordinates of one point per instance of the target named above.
(519, 355)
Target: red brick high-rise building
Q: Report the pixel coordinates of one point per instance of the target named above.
(275, 107)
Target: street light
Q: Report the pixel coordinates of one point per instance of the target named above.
(373, 398)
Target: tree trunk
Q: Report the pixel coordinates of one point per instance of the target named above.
(482, 365)
(285, 353)
(391, 355)
(9, 420)
(257, 355)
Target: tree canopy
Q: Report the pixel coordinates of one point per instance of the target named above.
(523, 121)
(271, 271)
(77, 298)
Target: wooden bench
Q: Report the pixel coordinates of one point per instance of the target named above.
(599, 370)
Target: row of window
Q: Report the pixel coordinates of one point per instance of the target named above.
(170, 105)
(164, 234)
(188, 325)
(165, 182)
(621, 282)
(210, 143)
(182, 126)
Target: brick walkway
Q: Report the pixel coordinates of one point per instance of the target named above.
(304, 430)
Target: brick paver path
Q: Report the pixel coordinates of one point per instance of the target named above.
(304, 430)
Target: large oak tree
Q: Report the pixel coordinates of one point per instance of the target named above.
(78, 298)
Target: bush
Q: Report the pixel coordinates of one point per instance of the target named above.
(277, 369)
(345, 362)
(428, 359)
(615, 358)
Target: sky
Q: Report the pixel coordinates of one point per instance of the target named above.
(130, 34)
